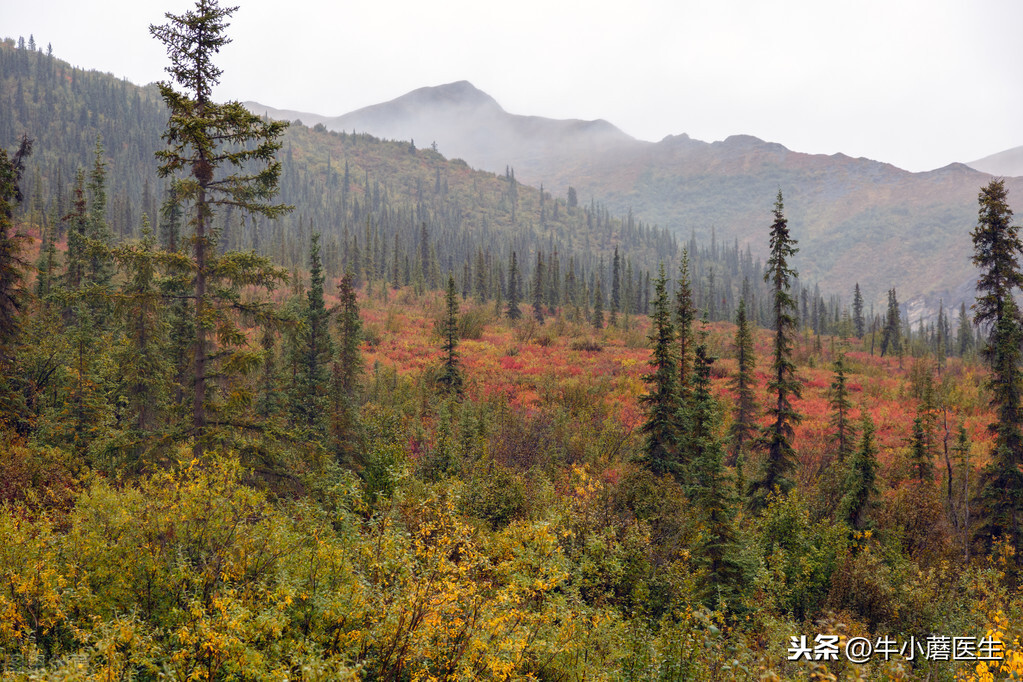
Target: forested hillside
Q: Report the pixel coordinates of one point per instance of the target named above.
(346, 409)
(384, 209)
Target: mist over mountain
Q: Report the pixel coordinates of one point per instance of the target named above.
(857, 220)
(469, 124)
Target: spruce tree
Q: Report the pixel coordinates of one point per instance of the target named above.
(77, 220)
(144, 371)
(858, 322)
(843, 433)
(538, 286)
(920, 452)
(744, 414)
(12, 266)
(514, 289)
(450, 377)
(345, 432)
(661, 448)
(101, 268)
(997, 250)
(776, 438)
(861, 481)
(685, 316)
(891, 338)
(220, 155)
(710, 489)
(964, 332)
(310, 400)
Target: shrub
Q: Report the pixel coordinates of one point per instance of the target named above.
(495, 495)
(588, 345)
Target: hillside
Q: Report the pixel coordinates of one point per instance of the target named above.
(856, 219)
(372, 200)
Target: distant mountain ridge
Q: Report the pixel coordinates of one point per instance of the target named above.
(1008, 163)
(857, 220)
(469, 124)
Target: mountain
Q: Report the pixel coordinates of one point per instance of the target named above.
(1008, 163)
(469, 124)
(857, 220)
(385, 209)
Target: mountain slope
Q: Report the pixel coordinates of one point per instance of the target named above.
(857, 220)
(467, 123)
(382, 207)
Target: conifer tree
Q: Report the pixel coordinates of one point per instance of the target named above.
(920, 455)
(891, 338)
(843, 434)
(997, 252)
(859, 325)
(144, 368)
(710, 489)
(268, 397)
(345, 432)
(964, 333)
(861, 481)
(776, 438)
(220, 155)
(12, 266)
(75, 263)
(538, 282)
(744, 425)
(450, 377)
(101, 268)
(310, 400)
(685, 316)
(661, 450)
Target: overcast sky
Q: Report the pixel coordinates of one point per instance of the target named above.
(919, 83)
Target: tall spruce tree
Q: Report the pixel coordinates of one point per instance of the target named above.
(776, 437)
(964, 332)
(219, 155)
(997, 250)
(101, 267)
(661, 448)
(12, 266)
(891, 338)
(450, 377)
(310, 399)
(345, 432)
(710, 489)
(514, 289)
(920, 456)
(538, 286)
(685, 316)
(744, 414)
(861, 481)
(859, 325)
(843, 433)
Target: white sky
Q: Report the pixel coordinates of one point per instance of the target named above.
(917, 83)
